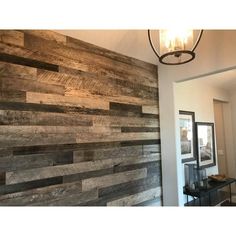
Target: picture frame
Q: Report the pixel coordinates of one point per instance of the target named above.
(206, 155)
(187, 136)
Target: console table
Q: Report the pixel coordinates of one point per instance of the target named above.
(209, 192)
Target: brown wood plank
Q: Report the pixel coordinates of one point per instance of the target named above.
(91, 48)
(28, 62)
(69, 112)
(20, 56)
(12, 96)
(52, 99)
(5, 152)
(109, 180)
(95, 84)
(117, 121)
(136, 198)
(2, 178)
(126, 107)
(31, 118)
(32, 85)
(79, 44)
(96, 64)
(47, 34)
(106, 137)
(35, 196)
(139, 129)
(17, 71)
(112, 97)
(12, 37)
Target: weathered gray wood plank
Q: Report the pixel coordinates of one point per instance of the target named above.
(96, 64)
(115, 136)
(71, 200)
(63, 170)
(136, 198)
(35, 196)
(31, 118)
(95, 84)
(109, 180)
(30, 85)
(91, 48)
(150, 109)
(31, 161)
(114, 152)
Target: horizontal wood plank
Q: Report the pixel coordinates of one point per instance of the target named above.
(35, 196)
(12, 37)
(71, 199)
(150, 109)
(79, 124)
(91, 48)
(17, 71)
(96, 63)
(32, 86)
(21, 162)
(42, 98)
(12, 117)
(109, 180)
(136, 198)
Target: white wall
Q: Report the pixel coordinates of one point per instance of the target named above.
(215, 52)
(198, 97)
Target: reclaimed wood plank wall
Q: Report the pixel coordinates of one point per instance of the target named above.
(79, 124)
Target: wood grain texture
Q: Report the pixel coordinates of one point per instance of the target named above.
(109, 180)
(34, 196)
(96, 63)
(14, 84)
(79, 124)
(12, 37)
(42, 98)
(17, 71)
(137, 198)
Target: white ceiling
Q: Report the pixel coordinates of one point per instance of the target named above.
(134, 43)
(225, 80)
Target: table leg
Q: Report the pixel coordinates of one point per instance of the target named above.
(230, 194)
(209, 199)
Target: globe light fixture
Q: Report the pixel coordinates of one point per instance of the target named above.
(175, 47)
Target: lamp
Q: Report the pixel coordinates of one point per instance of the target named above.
(176, 46)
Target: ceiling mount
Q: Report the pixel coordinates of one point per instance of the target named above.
(175, 46)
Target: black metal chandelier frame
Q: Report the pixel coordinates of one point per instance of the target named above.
(176, 53)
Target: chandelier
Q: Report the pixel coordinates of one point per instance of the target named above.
(175, 46)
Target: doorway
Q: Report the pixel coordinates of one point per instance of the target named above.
(220, 137)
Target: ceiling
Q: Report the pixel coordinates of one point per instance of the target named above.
(134, 43)
(224, 80)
